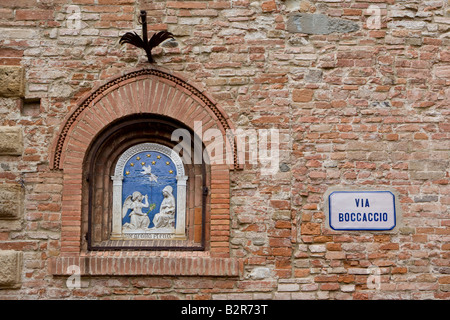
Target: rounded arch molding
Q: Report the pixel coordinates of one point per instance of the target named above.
(150, 91)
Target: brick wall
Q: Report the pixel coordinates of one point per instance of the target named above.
(365, 105)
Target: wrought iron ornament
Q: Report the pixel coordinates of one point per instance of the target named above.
(134, 39)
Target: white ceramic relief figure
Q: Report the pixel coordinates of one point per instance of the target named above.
(148, 172)
(166, 216)
(138, 219)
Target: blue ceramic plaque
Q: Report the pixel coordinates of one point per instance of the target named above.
(149, 192)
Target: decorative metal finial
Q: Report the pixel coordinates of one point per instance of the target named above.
(134, 39)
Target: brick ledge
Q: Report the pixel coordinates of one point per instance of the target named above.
(146, 266)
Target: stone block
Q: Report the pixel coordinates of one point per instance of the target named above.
(302, 95)
(11, 201)
(259, 273)
(12, 81)
(10, 268)
(312, 23)
(11, 141)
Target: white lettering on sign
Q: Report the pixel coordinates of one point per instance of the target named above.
(362, 210)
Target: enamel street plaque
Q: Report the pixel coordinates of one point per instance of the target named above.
(362, 210)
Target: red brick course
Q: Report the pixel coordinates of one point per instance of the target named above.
(176, 264)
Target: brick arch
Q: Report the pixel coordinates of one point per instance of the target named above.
(142, 91)
(146, 91)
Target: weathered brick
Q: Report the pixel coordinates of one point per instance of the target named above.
(302, 95)
(268, 6)
(310, 228)
(32, 14)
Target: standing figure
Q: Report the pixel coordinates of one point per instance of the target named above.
(138, 219)
(166, 216)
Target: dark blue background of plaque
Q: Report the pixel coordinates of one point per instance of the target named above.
(136, 181)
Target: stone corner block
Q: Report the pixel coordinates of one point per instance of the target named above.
(10, 269)
(11, 141)
(11, 201)
(12, 81)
